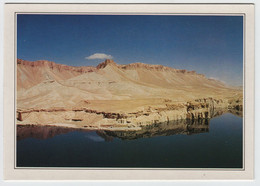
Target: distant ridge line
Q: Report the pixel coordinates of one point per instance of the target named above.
(131, 66)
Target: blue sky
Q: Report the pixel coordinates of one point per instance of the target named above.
(211, 45)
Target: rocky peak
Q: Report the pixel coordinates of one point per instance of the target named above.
(105, 63)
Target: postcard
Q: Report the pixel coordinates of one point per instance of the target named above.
(129, 91)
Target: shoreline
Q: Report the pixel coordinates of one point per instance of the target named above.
(89, 119)
(183, 127)
(71, 126)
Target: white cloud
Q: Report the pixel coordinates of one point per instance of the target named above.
(99, 56)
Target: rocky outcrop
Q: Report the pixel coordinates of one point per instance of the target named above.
(105, 63)
(86, 118)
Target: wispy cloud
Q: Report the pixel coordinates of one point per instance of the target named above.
(99, 56)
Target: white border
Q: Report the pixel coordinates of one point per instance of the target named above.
(11, 173)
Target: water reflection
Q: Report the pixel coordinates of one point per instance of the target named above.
(186, 127)
(41, 132)
(217, 143)
(161, 129)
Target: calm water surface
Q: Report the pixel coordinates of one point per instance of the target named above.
(203, 144)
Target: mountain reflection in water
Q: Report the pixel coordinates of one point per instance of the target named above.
(215, 143)
(186, 127)
(41, 132)
(161, 129)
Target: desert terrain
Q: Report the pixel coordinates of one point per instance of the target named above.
(117, 97)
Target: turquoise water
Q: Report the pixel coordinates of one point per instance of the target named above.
(217, 143)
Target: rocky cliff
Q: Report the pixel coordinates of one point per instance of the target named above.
(122, 96)
(94, 119)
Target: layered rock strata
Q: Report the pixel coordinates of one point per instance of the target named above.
(89, 118)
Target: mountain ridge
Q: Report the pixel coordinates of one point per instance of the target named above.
(116, 95)
(101, 65)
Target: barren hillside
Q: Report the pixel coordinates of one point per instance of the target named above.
(111, 88)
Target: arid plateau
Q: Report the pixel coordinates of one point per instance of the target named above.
(117, 97)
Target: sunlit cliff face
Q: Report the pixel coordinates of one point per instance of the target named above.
(112, 95)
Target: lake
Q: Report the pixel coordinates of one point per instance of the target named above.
(214, 143)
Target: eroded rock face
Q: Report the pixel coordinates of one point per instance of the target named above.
(84, 117)
(105, 63)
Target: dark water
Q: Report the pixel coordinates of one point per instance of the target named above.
(199, 144)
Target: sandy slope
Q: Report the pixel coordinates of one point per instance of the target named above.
(48, 86)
